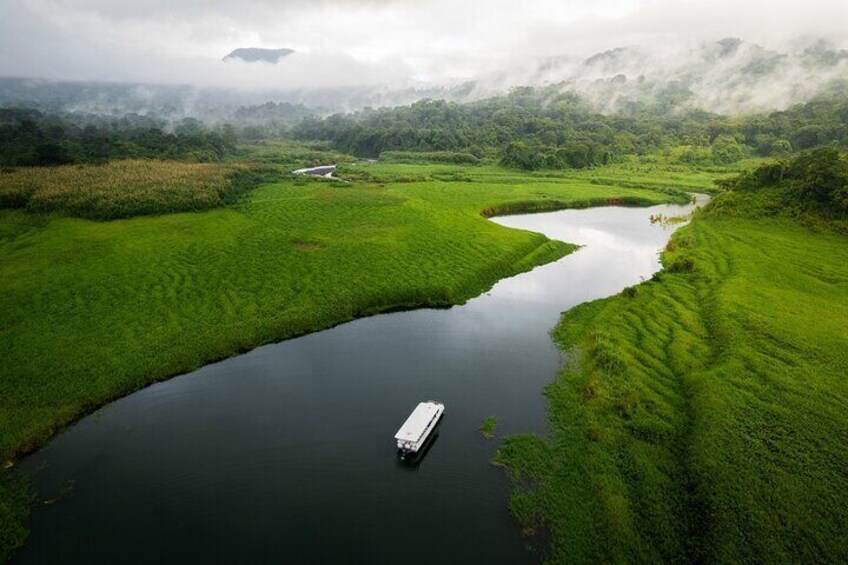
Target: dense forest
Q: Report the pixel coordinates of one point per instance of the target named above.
(529, 128)
(32, 138)
(815, 181)
(545, 128)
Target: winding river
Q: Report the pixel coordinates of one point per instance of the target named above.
(285, 454)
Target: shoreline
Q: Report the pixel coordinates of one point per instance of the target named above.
(527, 263)
(547, 251)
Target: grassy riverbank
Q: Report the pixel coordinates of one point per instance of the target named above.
(92, 310)
(705, 416)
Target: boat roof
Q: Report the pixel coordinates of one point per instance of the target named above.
(416, 424)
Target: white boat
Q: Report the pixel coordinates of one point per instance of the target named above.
(325, 171)
(413, 434)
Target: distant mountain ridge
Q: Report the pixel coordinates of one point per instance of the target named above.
(257, 54)
(731, 77)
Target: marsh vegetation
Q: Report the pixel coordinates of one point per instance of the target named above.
(122, 189)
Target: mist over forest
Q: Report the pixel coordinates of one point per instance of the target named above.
(728, 76)
(718, 102)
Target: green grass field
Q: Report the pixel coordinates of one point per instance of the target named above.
(705, 417)
(92, 310)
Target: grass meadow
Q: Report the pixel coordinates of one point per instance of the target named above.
(702, 416)
(93, 310)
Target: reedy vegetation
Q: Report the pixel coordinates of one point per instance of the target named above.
(123, 188)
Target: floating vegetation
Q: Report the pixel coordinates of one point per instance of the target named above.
(488, 427)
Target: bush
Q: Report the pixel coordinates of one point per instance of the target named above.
(682, 264)
(815, 179)
(629, 292)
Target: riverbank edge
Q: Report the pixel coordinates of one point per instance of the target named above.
(593, 519)
(15, 489)
(526, 458)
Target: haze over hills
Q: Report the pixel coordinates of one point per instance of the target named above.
(730, 76)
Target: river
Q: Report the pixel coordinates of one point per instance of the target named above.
(285, 453)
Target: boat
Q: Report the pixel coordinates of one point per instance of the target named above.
(325, 171)
(418, 427)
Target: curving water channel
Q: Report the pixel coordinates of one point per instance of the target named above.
(285, 454)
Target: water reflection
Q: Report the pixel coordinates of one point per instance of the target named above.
(413, 461)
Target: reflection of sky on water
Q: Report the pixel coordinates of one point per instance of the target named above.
(620, 248)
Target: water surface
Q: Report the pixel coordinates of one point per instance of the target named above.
(285, 454)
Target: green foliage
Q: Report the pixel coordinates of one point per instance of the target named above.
(269, 120)
(703, 419)
(726, 149)
(814, 180)
(545, 128)
(489, 426)
(30, 138)
(91, 311)
(573, 155)
(821, 176)
(425, 157)
(630, 292)
(557, 124)
(15, 501)
(691, 155)
(124, 189)
(291, 155)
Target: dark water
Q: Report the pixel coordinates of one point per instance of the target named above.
(285, 454)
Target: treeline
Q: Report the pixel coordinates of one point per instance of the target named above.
(31, 138)
(816, 180)
(528, 128)
(545, 128)
(268, 121)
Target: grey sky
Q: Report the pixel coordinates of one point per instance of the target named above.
(342, 42)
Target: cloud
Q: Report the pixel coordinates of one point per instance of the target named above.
(354, 42)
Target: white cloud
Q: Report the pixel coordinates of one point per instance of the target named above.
(346, 42)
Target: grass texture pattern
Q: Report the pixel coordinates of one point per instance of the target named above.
(93, 310)
(702, 416)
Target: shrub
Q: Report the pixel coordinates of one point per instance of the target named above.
(682, 264)
(629, 292)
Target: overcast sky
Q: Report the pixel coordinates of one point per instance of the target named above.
(343, 42)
